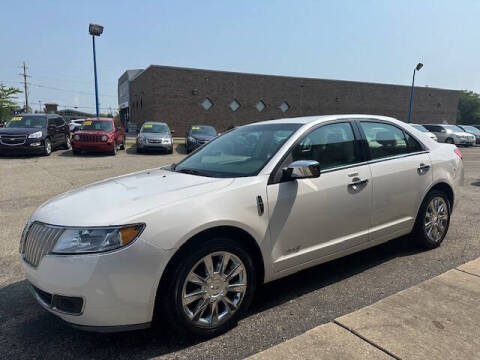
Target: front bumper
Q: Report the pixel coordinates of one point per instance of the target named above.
(145, 145)
(31, 146)
(117, 288)
(93, 147)
(467, 142)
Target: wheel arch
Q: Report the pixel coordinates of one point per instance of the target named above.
(242, 237)
(446, 189)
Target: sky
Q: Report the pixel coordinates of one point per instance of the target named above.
(360, 40)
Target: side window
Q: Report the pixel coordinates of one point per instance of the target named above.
(412, 144)
(331, 145)
(384, 140)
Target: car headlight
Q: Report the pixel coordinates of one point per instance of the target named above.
(166, 141)
(141, 139)
(104, 138)
(191, 139)
(76, 137)
(93, 240)
(35, 135)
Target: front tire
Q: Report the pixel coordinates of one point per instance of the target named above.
(433, 220)
(208, 288)
(47, 147)
(114, 150)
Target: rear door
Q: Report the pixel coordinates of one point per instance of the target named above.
(52, 130)
(401, 175)
(61, 130)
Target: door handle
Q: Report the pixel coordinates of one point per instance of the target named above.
(423, 168)
(357, 182)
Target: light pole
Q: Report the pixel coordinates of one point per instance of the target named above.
(95, 30)
(417, 68)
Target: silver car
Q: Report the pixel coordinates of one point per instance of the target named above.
(155, 136)
(472, 130)
(451, 134)
(188, 244)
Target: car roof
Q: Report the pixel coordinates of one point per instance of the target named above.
(202, 125)
(100, 119)
(154, 122)
(323, 118)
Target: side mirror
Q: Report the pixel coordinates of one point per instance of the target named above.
(172, 131)
(302, 169)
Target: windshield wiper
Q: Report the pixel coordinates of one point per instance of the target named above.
(191, 172)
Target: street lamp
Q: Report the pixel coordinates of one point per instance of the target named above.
(95, 30)
(417, 68)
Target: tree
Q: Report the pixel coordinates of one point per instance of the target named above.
(7, 103)
(468, 108)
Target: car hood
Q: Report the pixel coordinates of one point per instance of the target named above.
(462, 133)
(19, 131)
(125, 199)
(203, 137)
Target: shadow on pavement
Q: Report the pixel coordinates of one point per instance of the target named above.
(29, 331)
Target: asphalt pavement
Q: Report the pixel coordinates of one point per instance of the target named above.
(281, 310)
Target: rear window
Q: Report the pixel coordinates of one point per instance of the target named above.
(97, 125)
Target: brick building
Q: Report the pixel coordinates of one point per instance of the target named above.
(180, 97)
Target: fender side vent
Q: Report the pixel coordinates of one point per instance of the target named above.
(260, 206)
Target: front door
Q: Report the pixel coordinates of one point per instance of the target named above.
(313, 218)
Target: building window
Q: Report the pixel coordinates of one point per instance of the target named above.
(260, 106)
(234, 105)
(284, 106)
(207, 104)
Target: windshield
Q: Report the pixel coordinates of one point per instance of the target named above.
(240, 152)
(204, 130)
(38, 122)
(97, 125)
(471, 129)
(420, 127)
(453, 128)
(155, 129)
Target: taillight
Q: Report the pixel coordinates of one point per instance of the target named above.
(459, 153)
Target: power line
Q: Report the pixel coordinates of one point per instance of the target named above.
(57, 89)
(25, 84)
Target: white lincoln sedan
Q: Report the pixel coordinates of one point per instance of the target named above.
(189, 243)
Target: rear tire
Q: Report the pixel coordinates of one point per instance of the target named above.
(219, 305)
(122, 147)
(68, 143)
(433, 220)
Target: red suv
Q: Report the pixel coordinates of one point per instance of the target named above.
(99, 135)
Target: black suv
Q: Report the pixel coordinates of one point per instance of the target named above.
(34, 134)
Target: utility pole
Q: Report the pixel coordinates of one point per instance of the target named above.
(25, 84)
(40, 106)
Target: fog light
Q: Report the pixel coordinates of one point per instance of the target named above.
(35, 144)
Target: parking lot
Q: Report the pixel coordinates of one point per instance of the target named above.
(281, 310)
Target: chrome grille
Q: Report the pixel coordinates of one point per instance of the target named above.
(90, 138)
(39, 241)
(13, 140)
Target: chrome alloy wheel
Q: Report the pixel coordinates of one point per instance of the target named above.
(214, 289)
(436, 219)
